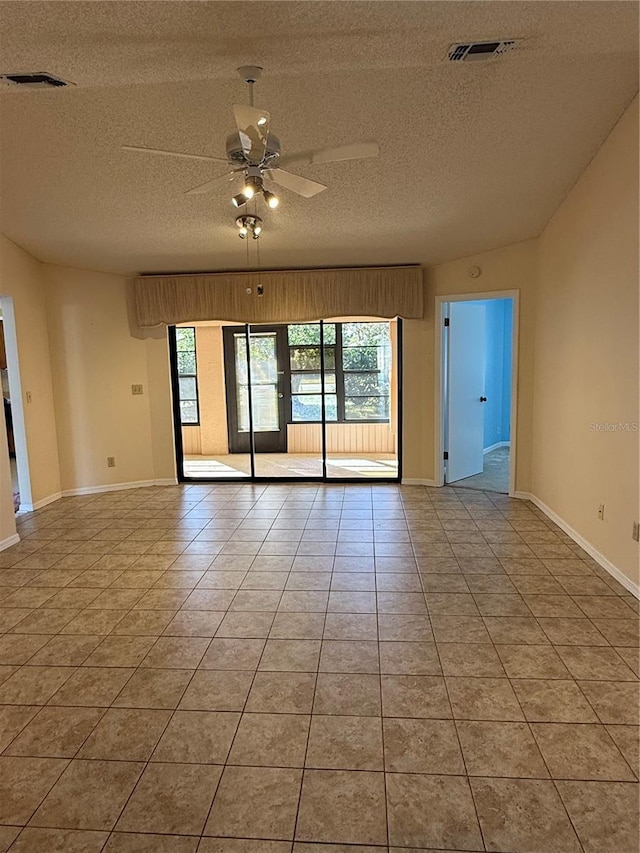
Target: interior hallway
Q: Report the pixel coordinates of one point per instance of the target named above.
(234, 668)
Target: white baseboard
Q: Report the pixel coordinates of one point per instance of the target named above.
(94, 490)
(115, 487)
(496, 446)
(41, 503)
(413, 481)
(9, 541)
(593, 552)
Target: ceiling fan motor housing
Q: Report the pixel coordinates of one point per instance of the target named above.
(236, 153)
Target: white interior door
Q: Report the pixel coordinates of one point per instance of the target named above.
(465, 386)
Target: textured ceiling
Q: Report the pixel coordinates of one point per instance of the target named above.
(473, 156)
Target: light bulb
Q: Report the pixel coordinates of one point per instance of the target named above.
(261, 121)
(272, 200)
(257, 230)
(239, 200)
(242, 233)
(248, 191)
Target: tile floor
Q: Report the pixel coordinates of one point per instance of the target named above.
(317, 669)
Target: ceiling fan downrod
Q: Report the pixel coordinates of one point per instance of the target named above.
(250, 74)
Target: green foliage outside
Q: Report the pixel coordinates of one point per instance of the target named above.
(186, 347)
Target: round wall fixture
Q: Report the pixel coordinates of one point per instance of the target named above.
(474, 272)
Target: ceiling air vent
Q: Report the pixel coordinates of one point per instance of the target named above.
(33, 80)
(474, 51)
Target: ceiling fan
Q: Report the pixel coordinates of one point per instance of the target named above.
(254, 153)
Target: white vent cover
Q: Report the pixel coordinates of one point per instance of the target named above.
(475, 51)
(33, 80)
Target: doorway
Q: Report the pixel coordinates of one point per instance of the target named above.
(301, 401)
(478, 389)
(15, 434)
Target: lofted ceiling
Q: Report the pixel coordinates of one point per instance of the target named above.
(473, 155)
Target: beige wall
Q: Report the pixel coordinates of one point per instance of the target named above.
(95, 361)
(160, 410)
(21, 278)
(510, 268)
(586, 369)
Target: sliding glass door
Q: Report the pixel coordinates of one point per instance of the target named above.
(297, 401)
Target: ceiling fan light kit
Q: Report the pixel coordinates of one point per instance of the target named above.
(249, 224)
(254, 152)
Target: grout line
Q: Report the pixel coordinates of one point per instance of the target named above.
(169, 519)
(455, 725)
(382, 718)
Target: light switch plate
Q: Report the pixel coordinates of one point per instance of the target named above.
(136, 389)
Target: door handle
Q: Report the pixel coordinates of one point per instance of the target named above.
(280, 396)
(483, 399)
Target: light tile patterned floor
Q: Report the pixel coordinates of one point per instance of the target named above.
(317, 669)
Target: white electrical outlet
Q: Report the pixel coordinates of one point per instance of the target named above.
(136, 389)
(111, 461)
(601, 512)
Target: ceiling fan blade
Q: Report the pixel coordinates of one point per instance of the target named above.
(253, 127)
(355, 151)
(295, 183)
(216, 182)
(144, 150)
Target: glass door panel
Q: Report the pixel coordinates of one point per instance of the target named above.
(362, 443)
(265, 407)
(265, 384)
(255, 403)
(199, 392)
(299, 389)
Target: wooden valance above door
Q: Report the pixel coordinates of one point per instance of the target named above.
(287, 296)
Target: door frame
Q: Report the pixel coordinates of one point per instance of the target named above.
(17, 403)
(253, 477)
(440, 380)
